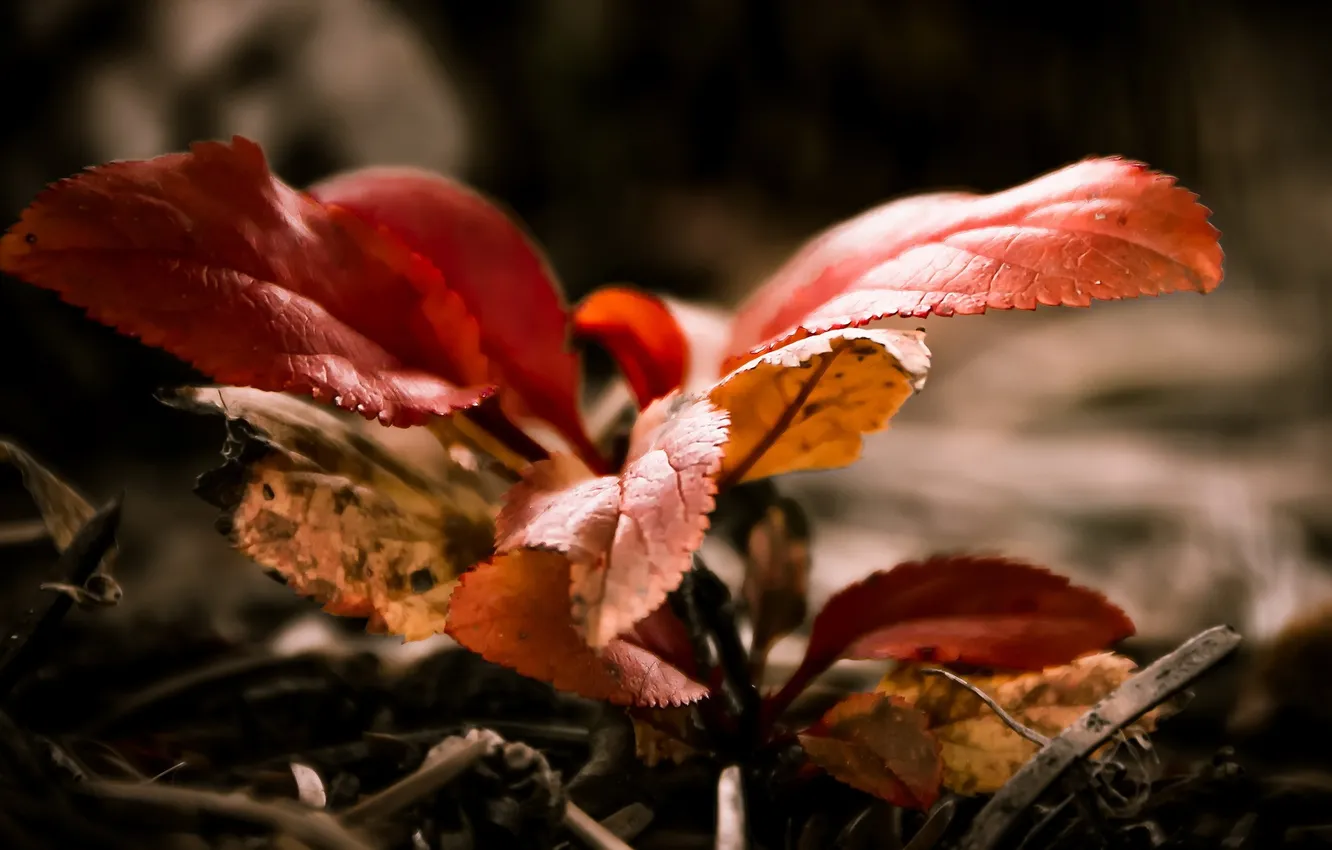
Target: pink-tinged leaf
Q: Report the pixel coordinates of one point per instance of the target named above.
(503, 611)
(499, 273)
(880, 745)
(1101, 229)
(208, 255)
(631, 537)
(987, 612)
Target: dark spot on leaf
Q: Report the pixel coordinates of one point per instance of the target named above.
(1122, 219)
(422, 581)
(522, 636)
(30, 238)
(274, 526)
(467, 542)
(811, 409)
(837, 376)
(342, 499)
(269, 495)
(354, 563)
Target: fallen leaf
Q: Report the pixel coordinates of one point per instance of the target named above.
(666, 735)
(980, 752)
(503, 612)
(1100, 229)
(641, 334)
(312, 496)
(208, 255)
(498, 272)
(807, 405)
(630, 537)
(64, 512)
(986, 612)
(880, 745)
(776, 579)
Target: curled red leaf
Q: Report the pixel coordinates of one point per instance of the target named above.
(208, 255)
(641, 334)
(988, 612)
(1100, 229)
(503, 611)
(631, 537)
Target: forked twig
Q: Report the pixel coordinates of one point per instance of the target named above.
(317, 830)
(1011, 722)
(1153, 685)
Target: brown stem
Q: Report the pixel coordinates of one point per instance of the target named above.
(1011, 722)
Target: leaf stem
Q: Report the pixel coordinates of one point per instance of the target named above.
(709, 613)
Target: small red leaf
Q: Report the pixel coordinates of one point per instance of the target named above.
(880, 745)
(208, 255)
(496, 269)
(503, 611)
(1101, 229)
(631, 537)
(988, 612)
(642, 335)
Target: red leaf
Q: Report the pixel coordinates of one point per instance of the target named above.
(631, 537)
(663, 634)
(641, 334)
(502, 611)
(988, 612)
(208, 255)
(880, 745)
(498, 272)
(1101, 229)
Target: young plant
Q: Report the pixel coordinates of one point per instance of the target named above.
(409, 299)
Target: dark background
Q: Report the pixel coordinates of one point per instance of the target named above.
(688, 147)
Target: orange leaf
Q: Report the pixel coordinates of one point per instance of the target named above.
(880, 745)
(641, 334)
(807, 405)
(503, 611)
(1101, 229)
(630, 537)
(987, 612)
(208, 255)
(980, 752)
(339, 515)
(497, 271)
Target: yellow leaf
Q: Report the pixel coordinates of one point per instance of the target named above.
(980, 753)
(665, 735)
(806, 405)
(340, 515)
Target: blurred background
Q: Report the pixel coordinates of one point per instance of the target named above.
(1171, 452)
